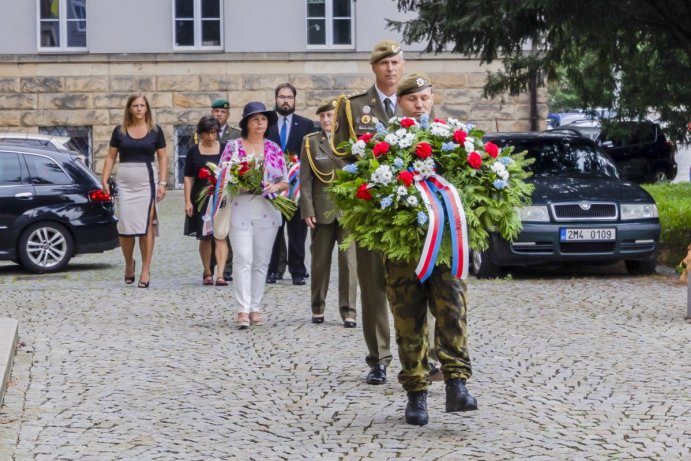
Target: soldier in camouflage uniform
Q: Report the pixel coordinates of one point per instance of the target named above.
(355, 115)
(443, 294)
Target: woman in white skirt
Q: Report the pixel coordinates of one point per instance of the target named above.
(139, 142)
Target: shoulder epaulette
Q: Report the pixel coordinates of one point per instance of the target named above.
(360, 93)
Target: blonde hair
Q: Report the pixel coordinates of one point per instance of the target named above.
(127, 117)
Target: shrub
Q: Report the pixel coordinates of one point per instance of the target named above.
(674, 206)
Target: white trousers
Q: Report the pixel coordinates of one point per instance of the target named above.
(253, 230)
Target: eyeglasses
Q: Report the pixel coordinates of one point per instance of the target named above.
(210, 133)
(285, 98)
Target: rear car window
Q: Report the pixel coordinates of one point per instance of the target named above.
(567, 158)
(10, 169)
(626, 134)
(44, 170)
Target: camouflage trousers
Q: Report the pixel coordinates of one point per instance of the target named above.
(409, 300)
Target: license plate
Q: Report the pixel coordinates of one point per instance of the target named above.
(580, 234)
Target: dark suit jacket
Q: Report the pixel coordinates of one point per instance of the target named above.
(301, 126)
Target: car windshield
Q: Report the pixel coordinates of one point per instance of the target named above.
(567, 158)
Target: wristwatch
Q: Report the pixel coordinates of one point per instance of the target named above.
(162, 183)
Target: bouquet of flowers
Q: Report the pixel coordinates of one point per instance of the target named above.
(407, 181)
(234, 177)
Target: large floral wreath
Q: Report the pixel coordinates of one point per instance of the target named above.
(408, 181)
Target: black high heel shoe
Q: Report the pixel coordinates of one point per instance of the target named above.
(129, 280)
(144, 284)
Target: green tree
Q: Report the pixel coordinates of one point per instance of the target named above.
(633, 56)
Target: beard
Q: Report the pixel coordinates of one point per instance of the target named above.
(285, 109)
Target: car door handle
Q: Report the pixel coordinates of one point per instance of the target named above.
(24, 195)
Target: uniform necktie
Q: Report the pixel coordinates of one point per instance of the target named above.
(388, 107)
(284, 134)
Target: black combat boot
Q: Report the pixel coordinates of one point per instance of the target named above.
(416, 410)
(457, 396)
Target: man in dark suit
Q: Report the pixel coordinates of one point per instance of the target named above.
(355, 115)
(288, 134)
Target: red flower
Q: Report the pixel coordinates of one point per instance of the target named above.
(380, 149)
(365, 137)
(295, 159)
(492, 149)
(440, 120)
(423, 150)
(474, 160)
(459, 136)
(210, 191)
(244, 168)
(406, 177)
(363, 193)
(203, 173)
(407, 122)
(212, 179)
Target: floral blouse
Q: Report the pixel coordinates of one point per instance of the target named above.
(275, 170)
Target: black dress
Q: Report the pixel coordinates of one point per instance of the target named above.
(194, 162)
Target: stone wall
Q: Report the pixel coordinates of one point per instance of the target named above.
(91, 90)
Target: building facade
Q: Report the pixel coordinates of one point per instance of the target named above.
(67, 66)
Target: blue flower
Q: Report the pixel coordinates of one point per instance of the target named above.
(421, 218)
(424, 121)
(386, 202)
(381, 129)
(500, 184)
(505, 160)
(350, 168)
(447, 146)
(398, 162)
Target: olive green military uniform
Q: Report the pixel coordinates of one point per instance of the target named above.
(317, 169)
(366, 109)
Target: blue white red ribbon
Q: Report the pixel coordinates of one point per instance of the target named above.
(431, 188)
(214, 205)
(293, 191)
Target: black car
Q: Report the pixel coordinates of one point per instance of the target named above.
(640, 149)
(51, 208)
(581, 212)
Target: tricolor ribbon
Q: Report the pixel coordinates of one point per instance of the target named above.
(450, 206)
(214, 205)
(293, 191)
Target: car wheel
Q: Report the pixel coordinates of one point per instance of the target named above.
(659, 175)
(482, 266)
(643, 267)
(45, 247)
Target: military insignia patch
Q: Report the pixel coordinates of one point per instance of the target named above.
(366, 109)
(366, 119)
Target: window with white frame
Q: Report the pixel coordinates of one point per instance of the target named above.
(61, 25)
(330, 24)
(197, 24)
(183, 139)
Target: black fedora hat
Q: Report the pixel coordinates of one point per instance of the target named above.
(256, 107)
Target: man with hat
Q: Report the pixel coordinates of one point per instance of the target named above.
(356, 115)
(220, 109)
(411, 301)
(317, 171)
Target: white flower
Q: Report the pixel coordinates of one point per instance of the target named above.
(401, 132)
(468, 145)
(402, 191)
(500, 170)
(359, 148)
(411, 201)
(406, 140)
(424, 168)
(454, 123)
(382, 175)
(391, 139)
(440, 129)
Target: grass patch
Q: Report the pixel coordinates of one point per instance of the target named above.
(674, 205)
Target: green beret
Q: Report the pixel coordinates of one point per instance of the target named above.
(384, 49)
(326, 105)
(220, 104)
(413, 83)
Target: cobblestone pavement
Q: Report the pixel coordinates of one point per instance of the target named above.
(572, 365)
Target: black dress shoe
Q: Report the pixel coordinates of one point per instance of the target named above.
(228, 276)
(298, 280)
(317, 320)
(349, 323)
(416, 410)
(270, 277)
(278, 276)
(458, 398)
(377, 375)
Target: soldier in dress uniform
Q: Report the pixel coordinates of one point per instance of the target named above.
(317, 170)
(356, 115)
(442, 294)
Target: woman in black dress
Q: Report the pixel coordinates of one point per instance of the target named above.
(208, 150)
(140, 185)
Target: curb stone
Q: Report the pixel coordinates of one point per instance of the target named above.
(9, 334)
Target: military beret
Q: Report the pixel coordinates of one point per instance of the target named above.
(384, 49)
(220, 104)
(413, 83)
(326, 105)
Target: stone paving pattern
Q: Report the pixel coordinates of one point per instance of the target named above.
(569, 365)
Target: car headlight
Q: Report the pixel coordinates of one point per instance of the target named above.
(638, 211)
(534, 213)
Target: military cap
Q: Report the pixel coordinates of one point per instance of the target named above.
(413, 83)
(220, 104)
(326, 105)
(384, 49)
